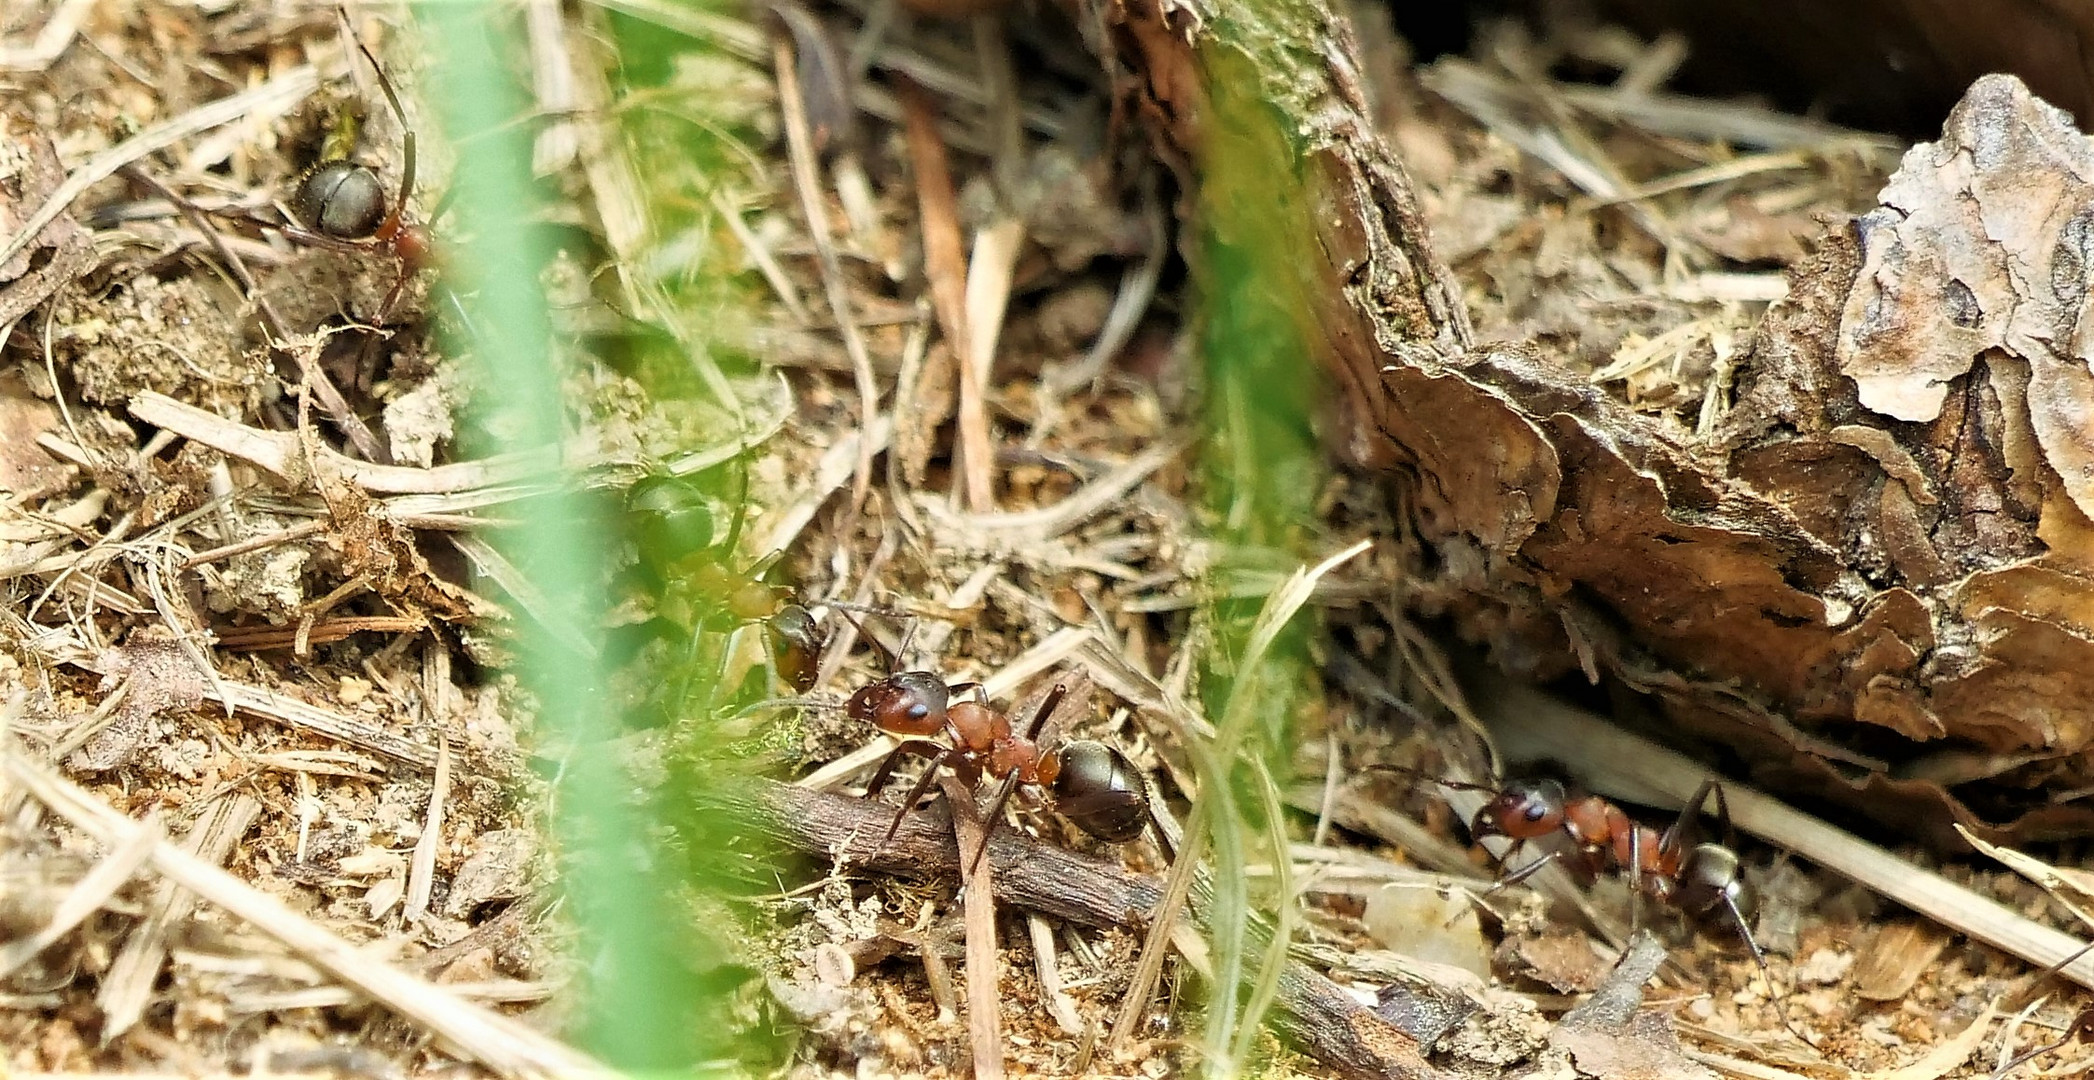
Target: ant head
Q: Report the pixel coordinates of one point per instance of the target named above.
(1711, 882)
(340, 199)
(1523, 810)
(1096, 787)
(904, 703)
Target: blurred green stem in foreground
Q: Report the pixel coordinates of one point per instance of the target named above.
(1262, 473)
(639, 997)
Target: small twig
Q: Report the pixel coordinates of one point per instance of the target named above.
(1621, 993)
(800, 143)
(1312, 1011)
(978, 905)
(282, 453)
(308, 633)
(254, 543)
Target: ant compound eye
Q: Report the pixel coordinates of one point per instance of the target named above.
(1536, 811)
(340, 199)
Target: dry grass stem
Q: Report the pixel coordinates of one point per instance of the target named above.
(421, 867)
(1048, 969)
(87, 896)
(978, 907)
(128, 985)
(807, 182)
(989, 269)
(493, 1040)
(51, 41)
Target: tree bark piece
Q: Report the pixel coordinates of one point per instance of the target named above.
(1877, 597)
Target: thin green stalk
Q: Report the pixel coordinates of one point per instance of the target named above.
(638, 996)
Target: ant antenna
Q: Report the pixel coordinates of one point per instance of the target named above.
(1421, 774)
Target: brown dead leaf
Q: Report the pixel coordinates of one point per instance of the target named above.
(161, 679)
(1562, 960)
(24, 466)
(384, 553)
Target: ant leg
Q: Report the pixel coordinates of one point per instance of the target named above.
(1636, 877)
(1506, 881)
(1420, 774)
(2081, 1028)
(930, 776)
(1759, 956)
(786, 702)
(1518, 845)
(1163, 842)
(991, 820)
(1730, 832)
(1678, 834)
(923, 748)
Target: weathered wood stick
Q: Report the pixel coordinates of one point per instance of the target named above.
(1319, 1017)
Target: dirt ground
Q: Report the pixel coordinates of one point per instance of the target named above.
(258, 598)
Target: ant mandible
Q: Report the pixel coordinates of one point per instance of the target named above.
(342, 203)
(1091, 784)
(1705, 881)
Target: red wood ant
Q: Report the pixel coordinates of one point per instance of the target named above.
(342, 204)
(1705, 881)
(674, 532)
(1090, 783)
